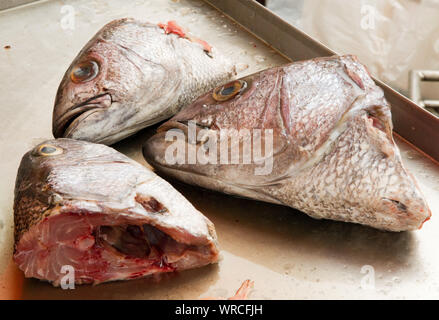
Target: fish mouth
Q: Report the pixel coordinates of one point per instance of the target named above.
(65, 124)
(173, 124)
(153, 151)
(183, 125)
(180, 124)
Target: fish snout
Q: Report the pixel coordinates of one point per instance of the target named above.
(64, 124)
(408, 213)
(154, 149)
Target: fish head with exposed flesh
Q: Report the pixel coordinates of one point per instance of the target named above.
(90, 207)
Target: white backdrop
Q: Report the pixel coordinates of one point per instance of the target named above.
(391, 37)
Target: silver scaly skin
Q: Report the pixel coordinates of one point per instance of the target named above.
(334, 154)
(88, 206)
(131, 75)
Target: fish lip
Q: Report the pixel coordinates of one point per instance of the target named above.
(173, 124)
(147, 152)
(182, 125)
(73, 115)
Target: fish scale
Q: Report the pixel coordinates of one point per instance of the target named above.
(70, 195)
(334, 155)
(145, 74)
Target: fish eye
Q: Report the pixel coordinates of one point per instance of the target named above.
(84, 71)
(49, 150)
(229, 90)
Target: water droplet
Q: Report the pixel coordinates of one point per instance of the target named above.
(241, 67)
(259, 58)
(184, 11)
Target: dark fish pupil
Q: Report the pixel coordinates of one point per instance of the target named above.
(83, 72)
(227, 91)
(48, 150)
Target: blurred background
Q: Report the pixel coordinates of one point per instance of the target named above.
(391, 37)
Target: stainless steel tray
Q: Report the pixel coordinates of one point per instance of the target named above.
(413, 123)
(287, 254)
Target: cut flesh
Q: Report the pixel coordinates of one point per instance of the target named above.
(102, 249)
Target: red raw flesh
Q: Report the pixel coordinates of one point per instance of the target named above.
(173, 27)
(70, 239)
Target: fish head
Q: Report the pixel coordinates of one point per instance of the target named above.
(333, 155)
(56, 170)
(90, 92)
(230, 111)
(131, 75)
(108, 208)
(99, 96)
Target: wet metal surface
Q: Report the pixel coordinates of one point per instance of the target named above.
(287, 254)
